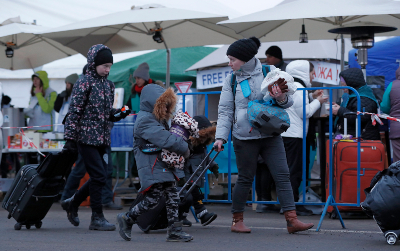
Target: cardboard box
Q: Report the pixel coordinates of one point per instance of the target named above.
(34, 137)
(53, 144)
(15, 142)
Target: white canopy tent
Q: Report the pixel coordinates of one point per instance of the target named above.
(284, 21)
(135, 30)
(315, 49)
(30, 50)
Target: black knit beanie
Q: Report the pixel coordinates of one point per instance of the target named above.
(103, 57)
(274, 51)
(202, 121)
(244, 49)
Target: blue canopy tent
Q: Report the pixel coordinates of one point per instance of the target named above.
(383, 59)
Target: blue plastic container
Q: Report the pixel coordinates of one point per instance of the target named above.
(122, 132)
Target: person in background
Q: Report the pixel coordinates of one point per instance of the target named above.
(274, 57)
(8, 159)
(87, 131)
(40, 110)
(391, 105)
(142, 78)
(354, 77)
(303, 73)
(63, 99)
(250, 143)
(79, 170)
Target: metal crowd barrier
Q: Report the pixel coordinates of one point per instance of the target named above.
(330, 201)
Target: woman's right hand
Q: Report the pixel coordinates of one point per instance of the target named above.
(322, 99)
(218, 145)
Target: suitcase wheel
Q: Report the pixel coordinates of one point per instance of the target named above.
(17, 226)
(38, 225)
(391, 238)
(28, 226)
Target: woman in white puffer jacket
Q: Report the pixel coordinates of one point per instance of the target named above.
(303, 73)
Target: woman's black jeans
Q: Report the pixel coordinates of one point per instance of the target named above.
(272, 151)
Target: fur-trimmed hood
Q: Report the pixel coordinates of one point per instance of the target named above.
(206, 137)
(155, 99)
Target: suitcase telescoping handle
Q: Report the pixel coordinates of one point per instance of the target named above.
(345, 122)
(187, 184)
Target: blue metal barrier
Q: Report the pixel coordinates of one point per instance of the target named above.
(330, 201)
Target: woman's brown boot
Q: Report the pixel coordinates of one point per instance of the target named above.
(293, 224)
(238, 225)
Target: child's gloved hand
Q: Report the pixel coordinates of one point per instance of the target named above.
(181, 182)
(70, 146)
(215, 170)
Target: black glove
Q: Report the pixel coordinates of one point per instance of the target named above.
(70, 146)
(125, 113)
(119, 114)
(181, 182)
(214, 169)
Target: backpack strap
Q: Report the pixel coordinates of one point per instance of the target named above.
(266, 69)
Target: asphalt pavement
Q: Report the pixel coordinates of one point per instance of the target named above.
(268, 233)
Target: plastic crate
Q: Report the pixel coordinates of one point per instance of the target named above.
(122, 132)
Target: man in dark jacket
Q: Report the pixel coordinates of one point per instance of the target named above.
(274, 57)
(87, 130)
(152, 134)
(354, 77)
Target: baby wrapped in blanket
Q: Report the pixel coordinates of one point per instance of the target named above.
(182, 125)
(266, 87)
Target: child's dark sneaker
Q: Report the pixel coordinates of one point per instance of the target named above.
(125, 224)
(206, 217)
(175, 233)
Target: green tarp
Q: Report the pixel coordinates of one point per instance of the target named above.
(181, 59)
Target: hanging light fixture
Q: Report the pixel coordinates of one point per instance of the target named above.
(157, 37)
(9, 49)
(9, 52)
(303, 35)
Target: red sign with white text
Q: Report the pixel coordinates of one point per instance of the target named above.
(327, 73)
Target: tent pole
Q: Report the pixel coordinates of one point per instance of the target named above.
(167, 77)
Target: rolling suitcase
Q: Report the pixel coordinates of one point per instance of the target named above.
(34, 188)
(157, 217)
(344, 173)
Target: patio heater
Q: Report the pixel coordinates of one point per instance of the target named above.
(362, 38)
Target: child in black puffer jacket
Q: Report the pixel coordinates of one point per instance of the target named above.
(206, 137)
